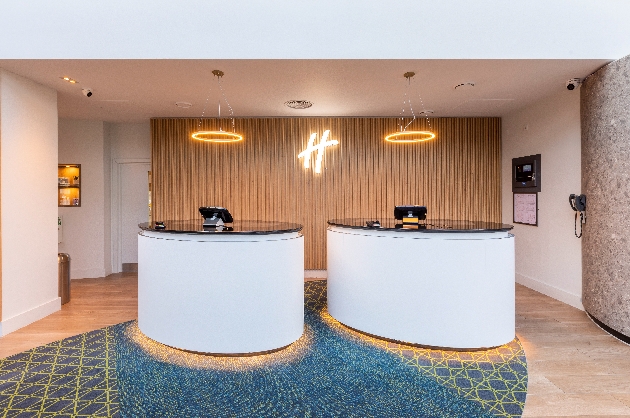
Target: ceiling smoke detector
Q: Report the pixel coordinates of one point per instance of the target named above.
(465, 86)
(298, 104)
(183, 105)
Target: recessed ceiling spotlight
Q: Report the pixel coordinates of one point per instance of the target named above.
(183, 105)
(298, 104)
(69, 79)
(465, 86)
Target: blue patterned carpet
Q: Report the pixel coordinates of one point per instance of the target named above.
(330, 372)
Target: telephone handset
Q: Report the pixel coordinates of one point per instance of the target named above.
(578, 204)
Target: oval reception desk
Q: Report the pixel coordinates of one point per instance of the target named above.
(448, 284)
(236, 290)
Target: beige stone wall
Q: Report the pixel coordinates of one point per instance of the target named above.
(605, 116)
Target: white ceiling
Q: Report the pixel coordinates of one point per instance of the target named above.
(136, 90)
(314, 29)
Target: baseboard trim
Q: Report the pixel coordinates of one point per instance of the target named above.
(86, 273)
(551, 291)
(129, 267)
(315, 274)
(25, 318)
(618, 335)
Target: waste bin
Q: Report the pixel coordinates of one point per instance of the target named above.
(63, 261)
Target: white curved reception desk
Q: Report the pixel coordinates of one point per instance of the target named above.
(230, 291)
(448, 284)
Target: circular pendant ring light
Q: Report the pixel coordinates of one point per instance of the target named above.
(403, 135)
(217, 136)
(220, 135)
(410, 136)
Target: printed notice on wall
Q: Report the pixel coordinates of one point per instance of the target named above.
(526, 208)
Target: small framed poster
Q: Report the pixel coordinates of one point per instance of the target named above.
(526, 208)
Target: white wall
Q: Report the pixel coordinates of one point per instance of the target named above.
(130, 155)
(28, 187)
(549, 256)
(130, 140)
(85, 228)
(370, 29)
(91, 232)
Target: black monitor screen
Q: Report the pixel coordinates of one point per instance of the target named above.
(209, 212)
(524, 172)
(413, 211)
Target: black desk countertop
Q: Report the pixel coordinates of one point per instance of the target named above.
(237, 227)
(430, 225)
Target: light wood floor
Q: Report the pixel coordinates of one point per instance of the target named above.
(575, 368)
(94, 304)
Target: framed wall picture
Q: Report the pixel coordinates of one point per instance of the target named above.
(526, 208)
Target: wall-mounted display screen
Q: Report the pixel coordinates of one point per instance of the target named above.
(526, 174)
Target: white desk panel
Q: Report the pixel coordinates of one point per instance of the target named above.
(451, 289)
(221, 294)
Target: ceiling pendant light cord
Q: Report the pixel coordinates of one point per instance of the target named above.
(403, 135)
(205, 106)
(228, 105)
(424, 110)
(217, 136)
(408, 99)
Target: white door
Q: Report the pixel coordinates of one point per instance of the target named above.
(134, 207)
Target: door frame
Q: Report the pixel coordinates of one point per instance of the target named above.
(116, 228)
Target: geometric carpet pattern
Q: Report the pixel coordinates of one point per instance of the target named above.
(71, 377)
(329, 376)
(495, 378)
(331, 371)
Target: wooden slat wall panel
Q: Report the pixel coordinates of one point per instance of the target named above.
(457, 175)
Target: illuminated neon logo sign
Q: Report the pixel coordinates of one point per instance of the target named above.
(323, 143)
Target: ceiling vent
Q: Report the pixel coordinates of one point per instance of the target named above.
(298, 104)
(183, 105)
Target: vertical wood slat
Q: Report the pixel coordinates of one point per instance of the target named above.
(457, 175)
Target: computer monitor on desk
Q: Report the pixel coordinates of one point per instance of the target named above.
(215, 216)
(410, 214)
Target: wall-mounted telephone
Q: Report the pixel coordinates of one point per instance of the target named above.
(578, 204)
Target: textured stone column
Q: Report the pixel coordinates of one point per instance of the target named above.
(605, 115)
